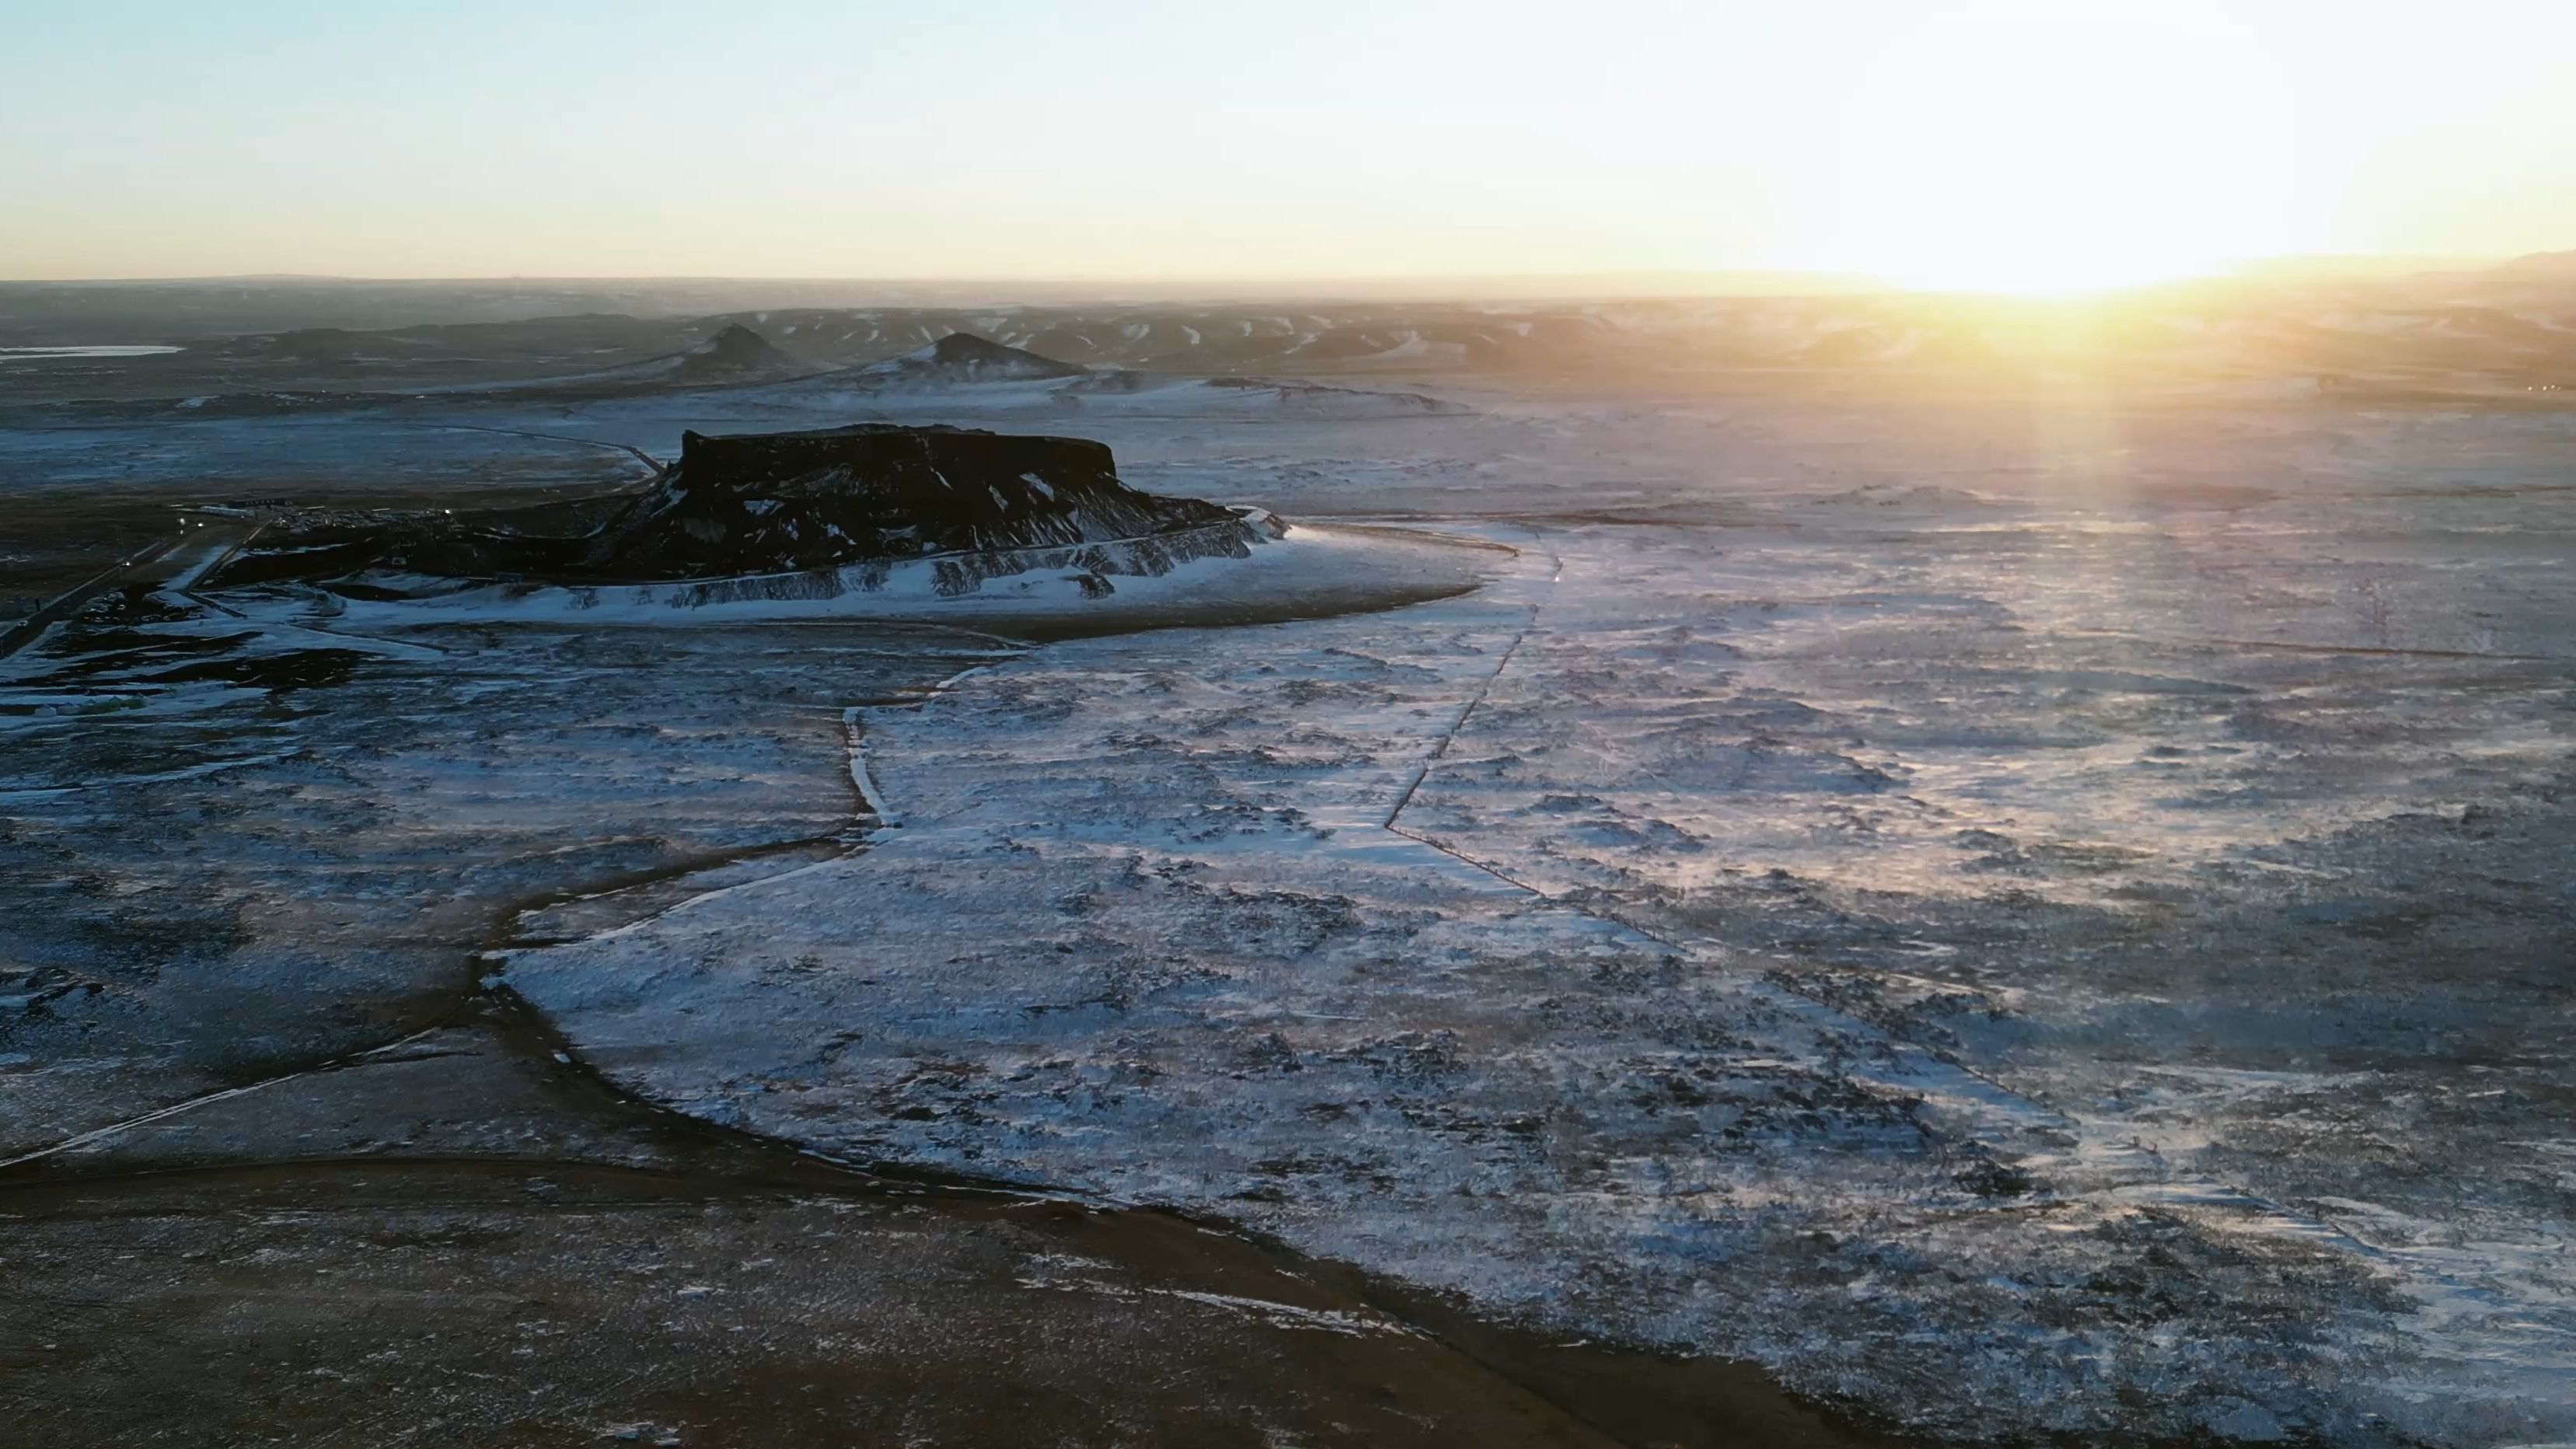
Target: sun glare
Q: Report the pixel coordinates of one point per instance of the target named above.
(2039, 160)
(2074, 269)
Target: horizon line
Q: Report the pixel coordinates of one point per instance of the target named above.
(1841, 278)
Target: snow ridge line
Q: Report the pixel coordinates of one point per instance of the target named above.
(101, 1134)
(859, 767)
(648, 460)
(854, 735)
(188, 584)
(1423, 771)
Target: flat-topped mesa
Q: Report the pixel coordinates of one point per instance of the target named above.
(768, 515)
(782, 501)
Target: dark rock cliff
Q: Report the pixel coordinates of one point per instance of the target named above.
(761, 503)
(776, 501)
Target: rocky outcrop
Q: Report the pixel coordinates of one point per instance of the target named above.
(974, 504)
(961, 357)
(776, 501)
(735, 354)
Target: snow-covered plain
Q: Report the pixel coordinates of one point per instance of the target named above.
(2020, 918)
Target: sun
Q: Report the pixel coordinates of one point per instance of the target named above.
(2083, 209)
(2013, 160)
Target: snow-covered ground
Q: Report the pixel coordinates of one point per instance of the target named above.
(1888, 980)
(2020, 919)
(1234, 571)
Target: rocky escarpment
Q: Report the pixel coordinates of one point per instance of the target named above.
(778, 501)
(869, 496)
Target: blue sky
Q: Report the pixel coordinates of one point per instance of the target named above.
(1939, 142)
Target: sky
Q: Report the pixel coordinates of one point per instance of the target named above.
(2026, 146)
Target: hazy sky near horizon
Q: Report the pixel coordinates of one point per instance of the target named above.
(1971, 144)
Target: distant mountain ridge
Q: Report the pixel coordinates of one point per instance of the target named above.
(2496, 330)
(2543, 265)
(963, 358)
(731, 355)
